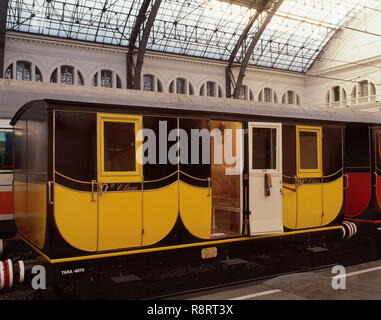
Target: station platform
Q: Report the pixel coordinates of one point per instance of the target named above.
(361, 282)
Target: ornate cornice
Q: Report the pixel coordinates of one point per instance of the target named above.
(62, 43)
(348, 66)
(53, 42)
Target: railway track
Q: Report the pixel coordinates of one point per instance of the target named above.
(226, 285)
(163, 284)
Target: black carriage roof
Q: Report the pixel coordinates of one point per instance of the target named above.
(118, 99)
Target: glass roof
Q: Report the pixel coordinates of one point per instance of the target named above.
(200, 28)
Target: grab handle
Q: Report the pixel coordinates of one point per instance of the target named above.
(375, 183)
(346, 186)
(50, 193)
(93, 183)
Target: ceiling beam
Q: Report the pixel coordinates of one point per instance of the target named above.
(252, 4)
(134, 68)
(264, 17)
(261, 28)
(233, 55)
(132, 43)
(3, 29)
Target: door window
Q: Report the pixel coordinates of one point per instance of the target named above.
(264, 146)
(119, 146)
(309, 151)
(6, 150)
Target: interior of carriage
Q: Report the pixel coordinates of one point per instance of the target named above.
(227, 189)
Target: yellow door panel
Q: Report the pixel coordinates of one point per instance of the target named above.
(289, 206)
(19, 194)
(309, 165)
(196, 210)
(76, 217)
(120, 207)
(332, 200)
(120, 220)
(160, 212)
(309, 206)
(37, 213)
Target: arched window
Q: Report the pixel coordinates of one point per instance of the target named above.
(211, 89)
(363, 92)
(38, 75)
(336, 97)
(152, 83)
(268, 95)
(67, 75)
(9, 72)
(106, 78)
(23, 70)
(291, 97)
(181, 86)
(246, 93)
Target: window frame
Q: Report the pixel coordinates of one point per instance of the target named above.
(12, 71)
(278, 161)
(24, 68)
(152, 79)
(11, 132)
(309, 172)
(272, 95)
(137, 121)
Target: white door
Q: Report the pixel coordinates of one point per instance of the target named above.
(265, 182)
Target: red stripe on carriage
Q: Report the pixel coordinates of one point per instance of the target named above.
(357, 196)
(6, 202)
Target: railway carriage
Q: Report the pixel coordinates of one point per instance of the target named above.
(362, 166)
(6, 176)
(84, 197)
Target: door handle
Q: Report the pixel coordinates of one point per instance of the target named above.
(346, 186)
(209, 186)
(93, 183)
(375, 183)
(50, 193)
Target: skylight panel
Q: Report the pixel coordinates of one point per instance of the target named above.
(200, 28)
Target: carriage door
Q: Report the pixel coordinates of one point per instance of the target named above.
(309, 177)
(265, 182)
(195, 189)
(119, 182)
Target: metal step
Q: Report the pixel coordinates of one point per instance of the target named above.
(317, 249)
(125, 278)
(232, 262)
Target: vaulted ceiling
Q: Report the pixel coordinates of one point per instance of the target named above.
(291, 39)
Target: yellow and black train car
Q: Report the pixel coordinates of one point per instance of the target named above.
(206, 178)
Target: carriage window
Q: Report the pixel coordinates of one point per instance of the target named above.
(264, 148)
(308, 150)
(119, 146)
(6, 151)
